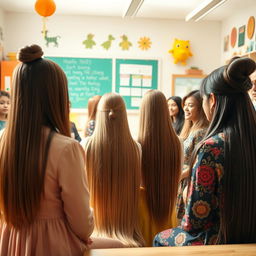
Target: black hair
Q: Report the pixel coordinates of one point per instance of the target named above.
(235, 117)
(180, 116)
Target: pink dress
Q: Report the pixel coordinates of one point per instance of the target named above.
(65, 220)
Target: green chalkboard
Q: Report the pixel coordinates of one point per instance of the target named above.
(86, 77)
(134, 78)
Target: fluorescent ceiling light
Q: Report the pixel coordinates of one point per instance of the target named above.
(203, 9)
(133, 8)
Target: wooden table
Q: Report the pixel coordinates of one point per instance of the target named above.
(212, 250)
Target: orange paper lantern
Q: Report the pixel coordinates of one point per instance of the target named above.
(45, 8)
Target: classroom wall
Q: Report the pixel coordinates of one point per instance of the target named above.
(205, 38)
(239, 18)
(2, 31)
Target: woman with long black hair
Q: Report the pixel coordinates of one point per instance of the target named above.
(221, 202)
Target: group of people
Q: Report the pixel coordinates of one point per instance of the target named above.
(182, 182)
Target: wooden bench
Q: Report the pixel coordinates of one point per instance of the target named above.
(212, 250)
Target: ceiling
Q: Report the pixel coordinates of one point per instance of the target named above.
(164, 9)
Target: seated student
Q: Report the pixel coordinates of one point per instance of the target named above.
(4, 108)
(161, 166)
(176, 113)
(221, 202)
(92, 110)
(113, 170)
(44, 198)
(74, 133)
(193, 131)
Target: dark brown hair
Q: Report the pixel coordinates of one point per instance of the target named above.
(39, 98)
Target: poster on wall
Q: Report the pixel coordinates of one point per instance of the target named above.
(241, 36)
(250, 27)
(233, 37)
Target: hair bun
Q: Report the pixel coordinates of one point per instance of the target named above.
(30, 53)
(237, 73)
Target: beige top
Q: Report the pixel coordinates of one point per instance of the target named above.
(65, 220)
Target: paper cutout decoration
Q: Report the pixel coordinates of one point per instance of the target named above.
(45, 8)
(233, 37)
(52, 39)
(250, 27)
(89, 42)
(107, 44)
(125, 44)
(181, 51)
(241, 36)
(144, 43)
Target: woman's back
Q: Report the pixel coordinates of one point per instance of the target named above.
(64, 221)
(161, 165)
(113, 169)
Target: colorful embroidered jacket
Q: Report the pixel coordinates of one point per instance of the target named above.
(200, 224)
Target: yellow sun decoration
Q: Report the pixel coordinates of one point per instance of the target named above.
(144, 43)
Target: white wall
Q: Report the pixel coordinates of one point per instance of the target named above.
(238, 19)
(205, 38)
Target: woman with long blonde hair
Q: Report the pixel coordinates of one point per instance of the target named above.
(161, 165)
(113, 169)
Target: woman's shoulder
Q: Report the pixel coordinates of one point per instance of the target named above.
(61, 142)
(215, 140)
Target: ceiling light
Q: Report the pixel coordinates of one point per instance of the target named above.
(133, 8)
(203, 9)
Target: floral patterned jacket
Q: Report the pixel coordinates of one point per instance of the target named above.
(200, 224)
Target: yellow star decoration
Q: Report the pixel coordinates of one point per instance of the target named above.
(144, 43)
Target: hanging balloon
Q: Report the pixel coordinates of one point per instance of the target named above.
(45, 8)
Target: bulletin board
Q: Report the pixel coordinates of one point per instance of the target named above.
(134, 78)
(183, 84)
(86, 77)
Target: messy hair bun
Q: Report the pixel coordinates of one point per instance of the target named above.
(237, 73)
(30, 53)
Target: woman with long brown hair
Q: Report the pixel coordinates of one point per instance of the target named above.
(113, 169)
(161, 165)
(92, 110)
(44, 201)
(221, 203)
(192, 133)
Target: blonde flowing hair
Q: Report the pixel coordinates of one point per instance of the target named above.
(201, 122)
(113, 169)
(161, 156)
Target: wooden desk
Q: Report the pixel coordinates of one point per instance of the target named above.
(212, 250)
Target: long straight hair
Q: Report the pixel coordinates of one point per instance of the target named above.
(161, 156)
(180, 116)
(113, 169)
(235, 116)
(201, 122)
(39, 98)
